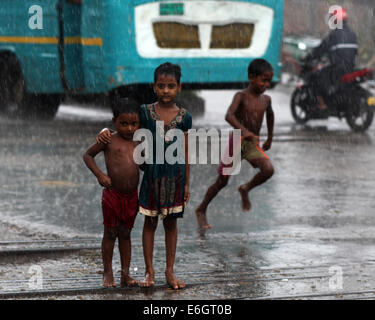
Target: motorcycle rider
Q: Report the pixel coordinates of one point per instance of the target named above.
(341, 46)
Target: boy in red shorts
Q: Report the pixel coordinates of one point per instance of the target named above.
(120, 193)
(246, 113)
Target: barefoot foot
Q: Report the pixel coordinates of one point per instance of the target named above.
(148, 280)
(246, 204)
(173, 282)
(202, 219)
(128, 281)
(108, 280)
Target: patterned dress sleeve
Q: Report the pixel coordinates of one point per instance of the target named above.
(187, 122)
(143, 116)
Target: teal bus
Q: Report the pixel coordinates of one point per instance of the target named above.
(53, 48)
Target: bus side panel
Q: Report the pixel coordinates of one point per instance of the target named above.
(119, 52)
(92, 46)
(36, 49)
(125, 64)
(274, 48)
(72, 47)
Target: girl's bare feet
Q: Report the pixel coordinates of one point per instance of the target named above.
(128, 281)
(246, 204)
(202, 219)
(173, 282)
(148, 280)
(108, 280)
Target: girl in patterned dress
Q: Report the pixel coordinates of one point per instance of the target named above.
(165, 187)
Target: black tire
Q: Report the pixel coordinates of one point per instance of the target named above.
(191, 101)
(143, 94)
(39, 106)
(298, 106)
(15, 101)
(360, 115)
(10, 82)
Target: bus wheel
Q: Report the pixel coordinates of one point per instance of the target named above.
(142, 93)
(15, 101)
(39, 106)
(10, 82)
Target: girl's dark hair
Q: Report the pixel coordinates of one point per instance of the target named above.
(125, 105)
(168, 69)
(259, 66)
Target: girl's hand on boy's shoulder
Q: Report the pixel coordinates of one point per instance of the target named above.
(105, 181)
(104, 136)
(187, 194)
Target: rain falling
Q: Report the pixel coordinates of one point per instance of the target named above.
(65, 65)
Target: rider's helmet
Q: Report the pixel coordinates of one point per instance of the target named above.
(340, 14)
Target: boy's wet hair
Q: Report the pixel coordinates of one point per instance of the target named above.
(258, 67)
(168, 69)
(125, 105)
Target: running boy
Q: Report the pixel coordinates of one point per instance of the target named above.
(120, 193)
(246, 113)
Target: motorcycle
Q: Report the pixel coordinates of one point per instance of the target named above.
(351, 99)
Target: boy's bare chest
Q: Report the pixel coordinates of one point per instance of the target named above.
(120, 150)
(254, 108)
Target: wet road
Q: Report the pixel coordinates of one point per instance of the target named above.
(314, 217)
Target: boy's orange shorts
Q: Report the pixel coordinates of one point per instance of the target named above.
(119, 207)
(249, 149)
